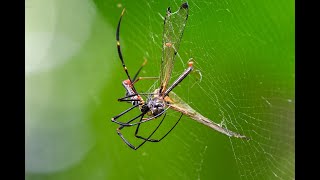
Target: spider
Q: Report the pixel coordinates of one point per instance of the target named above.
(158, 102)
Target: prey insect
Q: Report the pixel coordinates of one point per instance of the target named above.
(158, 102)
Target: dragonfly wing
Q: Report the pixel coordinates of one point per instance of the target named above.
(177, 104)
(174, 24)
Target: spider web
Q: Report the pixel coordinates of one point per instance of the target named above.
(247, 89)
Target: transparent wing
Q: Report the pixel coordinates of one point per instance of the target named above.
(174, 24)
(177, 104)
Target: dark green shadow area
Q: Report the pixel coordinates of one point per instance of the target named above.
(243, 49)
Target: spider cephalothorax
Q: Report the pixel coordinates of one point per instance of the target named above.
(156, 106)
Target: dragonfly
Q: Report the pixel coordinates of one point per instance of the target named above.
(158, 102)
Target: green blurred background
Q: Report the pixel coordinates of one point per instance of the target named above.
(243, 49)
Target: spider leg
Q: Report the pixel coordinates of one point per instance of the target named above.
(145, 120)
(136, 78)
(147, 139)
(126, 124)
(124, 112)
(143, 78)
(128, 100)
(119, 49)
(124, 139)
(157, 140)
(136, 75)
(180, 78)
(125, 98)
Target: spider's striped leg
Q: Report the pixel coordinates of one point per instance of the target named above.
(119, 48)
